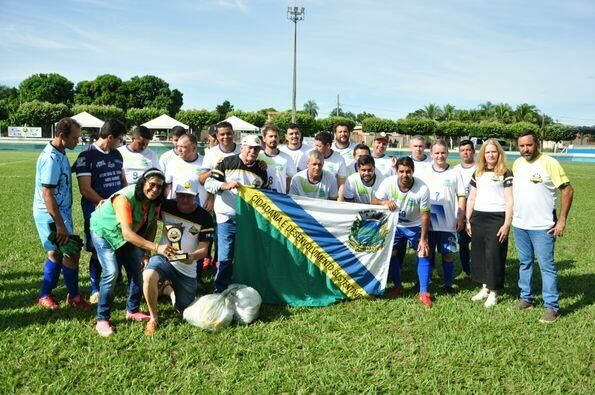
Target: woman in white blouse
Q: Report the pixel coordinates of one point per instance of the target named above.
(489, 215)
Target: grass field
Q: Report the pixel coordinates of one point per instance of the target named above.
(378, 346)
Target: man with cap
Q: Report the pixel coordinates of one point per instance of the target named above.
(384, 163)
(176, 133)
(196, 227)
(229, 174)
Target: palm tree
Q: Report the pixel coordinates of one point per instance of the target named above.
(432, 111)
(448, 112)
(502, 112)
(486, 109)
(526, 112)
(311, 108)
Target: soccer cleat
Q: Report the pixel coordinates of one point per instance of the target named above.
(549, 316)
(425, 299)
(450, 291)
(104, 328)
(151, 327)
(394, 293)
(491, 301)
(523, 304)
(138, 316)
(481, 295)
(78, 302)
(94, 299)
(48, 302)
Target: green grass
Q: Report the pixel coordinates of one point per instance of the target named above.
(389, 346)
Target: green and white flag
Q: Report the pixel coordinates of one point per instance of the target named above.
(311, 252)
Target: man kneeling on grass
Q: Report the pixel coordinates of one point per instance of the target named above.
(196, 228)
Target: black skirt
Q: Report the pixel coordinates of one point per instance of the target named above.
(488, 255)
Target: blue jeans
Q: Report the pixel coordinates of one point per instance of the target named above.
(528, 244)
(184, 287)
(130, 257)
(226, 237)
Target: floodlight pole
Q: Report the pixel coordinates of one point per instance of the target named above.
(294, 14)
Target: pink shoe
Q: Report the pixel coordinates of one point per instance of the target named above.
(104, 328)
(394, 293)
(48, 302)
(78, 302)
(138, 316)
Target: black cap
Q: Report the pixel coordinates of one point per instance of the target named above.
(213, 131)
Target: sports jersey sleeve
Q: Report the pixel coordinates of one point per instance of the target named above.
(207, 163)
(349, 189)
(508, 177)
(557, 173)
(122, 209)
(342, 173)
(49, 174)
(207, 230)
(82, 165)
(216, 179)
(424, 201)
(461, 192)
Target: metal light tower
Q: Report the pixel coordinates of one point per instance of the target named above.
(294, 14)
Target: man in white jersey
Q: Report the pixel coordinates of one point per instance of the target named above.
(384, 163)
(411, 196)
(137, 157)
(186, 166)
(175, 135)
(447, 200)
(466, 168)
(295, 148)
(360, 149)
(333, 162)
(314, 182)
(196, 227)
(361, 186)
(217, 153)
(417, 144)
(537, 180)
(280, 166)
(342, 145)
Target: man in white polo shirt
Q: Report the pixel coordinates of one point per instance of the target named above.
(537, 179)
(314, 182)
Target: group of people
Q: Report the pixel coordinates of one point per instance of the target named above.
(126, 189)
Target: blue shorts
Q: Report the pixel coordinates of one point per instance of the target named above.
(446, 242)
(184, 286)
(42, 222)
(404, 234)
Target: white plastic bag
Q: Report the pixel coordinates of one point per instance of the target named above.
(246, 301)
(210, 312)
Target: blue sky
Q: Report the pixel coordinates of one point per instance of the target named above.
(384, 57)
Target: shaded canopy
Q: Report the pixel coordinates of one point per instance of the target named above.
(87, 120)
(164, 122)
(239, 125)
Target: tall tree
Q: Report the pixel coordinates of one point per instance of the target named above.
(503, 112)
(152, 92)
(448, 113)
(364, 115)
(52, 88)
(223, 108)
(486, 109)
(311, 108)
(105, 90)
(526, 112)
(432, 111)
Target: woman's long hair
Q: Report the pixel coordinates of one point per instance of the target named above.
(138, 190)
(500, 167)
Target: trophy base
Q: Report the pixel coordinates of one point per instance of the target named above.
(178, 256)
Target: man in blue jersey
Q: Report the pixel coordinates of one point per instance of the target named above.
(52, 210)
(411, 197)
(99, 170)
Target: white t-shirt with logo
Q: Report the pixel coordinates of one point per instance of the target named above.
(346, 153)
(279, 167)
(215, 155)
(326, 188)
(466, 173)
(335, 164)
(446, 187)
(356, 189)
(422, 165)
(179, 171)
(410, 203)
(385, 165)
(135, 163)
(299, 155)
(489, 196)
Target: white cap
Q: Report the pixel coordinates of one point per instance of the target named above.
(189, 186)
(251, 140)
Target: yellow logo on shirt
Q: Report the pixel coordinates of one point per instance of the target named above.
(536, 178)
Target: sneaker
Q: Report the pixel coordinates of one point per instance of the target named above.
(491, 301)
(549, 316)
(48, 302)
(104, 328)
(151, 327)
(394, 293)
(450, 291)
(523, 304)
(94, 299)
(138, 316)
(78, 302)
(481, 295)
(425, 299)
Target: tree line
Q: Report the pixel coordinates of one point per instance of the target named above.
(42, 99)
